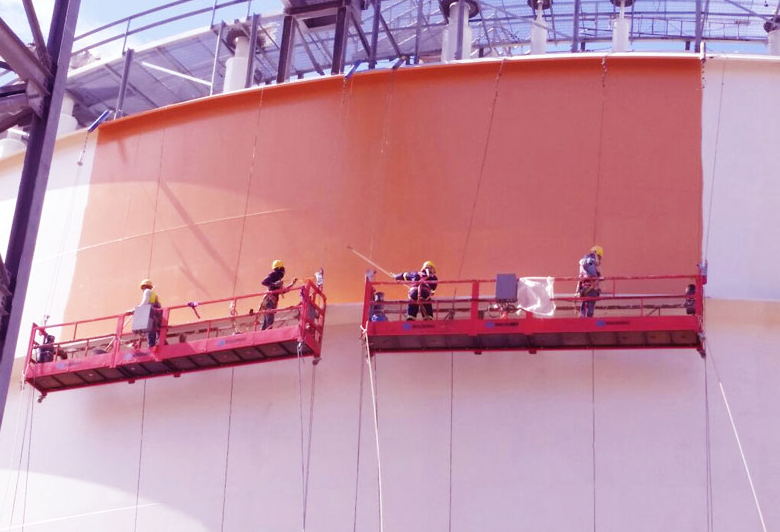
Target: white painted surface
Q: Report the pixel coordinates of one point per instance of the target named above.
(520, 450)
(59, 232)
(740, 136)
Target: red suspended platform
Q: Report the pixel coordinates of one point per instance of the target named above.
(648, 312)
(104, 350)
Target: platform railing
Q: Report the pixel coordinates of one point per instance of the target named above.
(475, 299)
(220, 317)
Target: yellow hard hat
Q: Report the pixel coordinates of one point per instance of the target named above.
(275, 265)
(428, 264)
(147, 283)
(598, 250)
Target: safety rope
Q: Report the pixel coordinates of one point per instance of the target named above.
(710, 355)
(707, 444)
(28, 412)
(20, 403)
(303, 467)
(593, 426)
(714, 165)
(359, 433)
(452, 399)
(54, 281)
(376, 430)
(308, 448)
(481, 167)
(27, 468)
(140, 456)
(604, 73)
(227, 447)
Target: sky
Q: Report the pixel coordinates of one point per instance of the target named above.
(95, 13)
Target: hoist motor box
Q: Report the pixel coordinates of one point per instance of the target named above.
(506, 287)
(143, 318)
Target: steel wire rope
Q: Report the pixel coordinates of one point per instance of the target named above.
(359, 433)
(714, 164)
(27, 468)
(233, 309)
(54, 282)
(28, 413)
(710, 354)
(21, 402)
(452, 400)
(376, 429)
(707, 445)
(140, 456)
(303, 467)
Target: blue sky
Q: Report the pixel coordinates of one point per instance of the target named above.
(95, 13)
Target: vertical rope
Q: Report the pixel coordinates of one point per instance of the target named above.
(736, 436)
(28, 413)
(27, 468)
(376, 432)
(359, 432)
(593, 426)
(714, 164)
(303, 469)
(227, 447)
(481, 167)
(707, 446)
(308, 447)
(156, 201)
(140, 456)
(601, 143)
(21, 402)
(452, 399)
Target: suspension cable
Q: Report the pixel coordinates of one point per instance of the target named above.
(736, 436)
(303, 468)
(28, 413)
(21, 402)
(140, 456)
(227, 446)
(359, 432)
(376, 430)
(707, 444)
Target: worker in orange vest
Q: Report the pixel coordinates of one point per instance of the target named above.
(590, 275)
(424, 283)
(274, 282)
(150, 297)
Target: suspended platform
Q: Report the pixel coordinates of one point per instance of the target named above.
(105, 350)
(649, 312)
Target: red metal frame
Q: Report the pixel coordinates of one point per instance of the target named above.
(629, 314)
(109, 353)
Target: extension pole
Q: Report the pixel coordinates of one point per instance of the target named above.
(371, 262)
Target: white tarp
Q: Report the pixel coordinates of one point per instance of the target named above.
(535, 294)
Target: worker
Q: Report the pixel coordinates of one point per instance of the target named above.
(424, 283)
(378, 307)
(150, 297)
(690, 299)
(590, 275)
(273, 281)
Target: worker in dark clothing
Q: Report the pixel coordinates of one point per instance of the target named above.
(590, 275)
(274, 282)
(423, 286)
(150, 297)
(690, 299)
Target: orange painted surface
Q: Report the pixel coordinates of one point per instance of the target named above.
(484, 168)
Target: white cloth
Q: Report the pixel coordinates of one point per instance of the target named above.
(535, 294)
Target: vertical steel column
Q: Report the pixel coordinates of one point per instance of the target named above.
(575, 34)
(285, 48)
(375, 33)
(250, 64)
(417, 32)
(339, 41)
(120, 99)
(217, 49)
(32, 187)
(697, 48)
(459, 41)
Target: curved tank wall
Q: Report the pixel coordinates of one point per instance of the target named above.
(484, 167)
